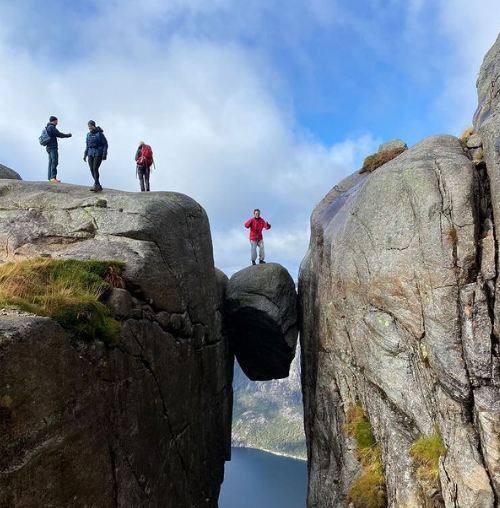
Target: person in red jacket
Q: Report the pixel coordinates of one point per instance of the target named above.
(256, 224)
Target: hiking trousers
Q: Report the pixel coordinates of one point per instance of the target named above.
(94, 164)
(260, 244)
(53, 162)
(143, 173)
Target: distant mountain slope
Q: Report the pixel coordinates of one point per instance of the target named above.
(268, 414)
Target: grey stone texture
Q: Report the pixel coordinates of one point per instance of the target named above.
(8, 173)
(261, 316)
(145, 423)
(397, 293)
(474, 141)
(392, 145)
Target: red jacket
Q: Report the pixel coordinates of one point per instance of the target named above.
(256, 226)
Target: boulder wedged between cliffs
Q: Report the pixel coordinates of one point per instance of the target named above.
(261, 317)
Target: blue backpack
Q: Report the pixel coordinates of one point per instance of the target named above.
(44, 137)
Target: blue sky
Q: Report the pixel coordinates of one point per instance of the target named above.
(255, 103)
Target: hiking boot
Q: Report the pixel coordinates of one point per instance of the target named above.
(254, 263)
(262, 262)
(54, 180)
(92, 189)
(98, 188)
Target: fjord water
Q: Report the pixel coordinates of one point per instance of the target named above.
(256, 478)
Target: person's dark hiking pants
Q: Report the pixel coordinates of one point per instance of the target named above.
(94, 163)
(53, 162)
(143, 174)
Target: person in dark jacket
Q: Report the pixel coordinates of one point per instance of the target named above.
(256, 224)
(143, 166)
(53, 148)
(96, 151)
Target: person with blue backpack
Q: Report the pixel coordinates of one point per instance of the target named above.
(96, 151)
(49, 140)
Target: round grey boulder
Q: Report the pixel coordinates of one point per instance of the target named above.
(261, 316)
(393, 145)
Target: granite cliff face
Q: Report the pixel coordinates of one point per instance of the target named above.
(144, 422)
(400, 326)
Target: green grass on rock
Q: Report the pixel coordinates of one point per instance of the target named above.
(426, 452)
(368, 490)
(68, 291)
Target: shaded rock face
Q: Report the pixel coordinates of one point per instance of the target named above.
(146, 422)
(8, 173)
(398, 305)
(261, 316)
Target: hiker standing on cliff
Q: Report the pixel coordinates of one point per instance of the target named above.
(144, 161)
(49, 140)
(256, 224)
(96, 151)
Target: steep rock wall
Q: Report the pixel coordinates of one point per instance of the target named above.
(397, 307)
(143, 423)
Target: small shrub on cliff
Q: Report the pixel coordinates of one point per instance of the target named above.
(466, 134)
(426, 452)
(368, 491)
(478, 155)
(67, 291)
(372, 162)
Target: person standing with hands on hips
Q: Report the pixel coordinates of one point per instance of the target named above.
(256, 224)
(96, 151)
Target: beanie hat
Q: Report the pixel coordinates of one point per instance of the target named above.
(52, 118)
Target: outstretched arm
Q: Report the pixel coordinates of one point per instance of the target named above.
(55, 133)
(268, 226)
(60, 134)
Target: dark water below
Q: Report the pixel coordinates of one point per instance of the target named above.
(256, 479)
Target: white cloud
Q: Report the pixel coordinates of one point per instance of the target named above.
(471, 30)
(219, 132)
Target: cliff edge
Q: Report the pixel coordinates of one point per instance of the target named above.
(143, 419)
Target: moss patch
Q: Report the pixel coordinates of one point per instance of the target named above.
(426, 452)
(372, 162)
(368, 491)
(67, 291)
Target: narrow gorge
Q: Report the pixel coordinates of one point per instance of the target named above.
(118, 336)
